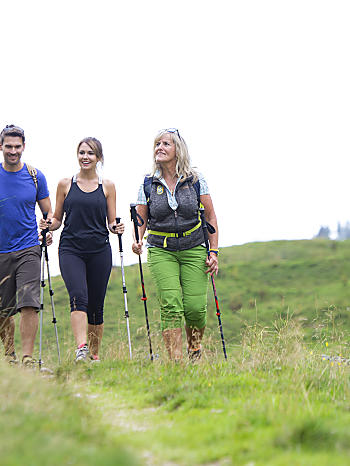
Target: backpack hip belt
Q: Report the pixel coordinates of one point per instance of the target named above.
(174, 235)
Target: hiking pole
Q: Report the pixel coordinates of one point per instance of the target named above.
(42, 284)
(135, 217)
(45, 258)
(124, 286)
(211, 229)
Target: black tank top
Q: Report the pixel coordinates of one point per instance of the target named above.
(85, 227)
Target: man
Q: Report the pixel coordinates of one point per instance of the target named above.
(19, 244)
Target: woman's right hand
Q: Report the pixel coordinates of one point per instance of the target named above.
(137, 247)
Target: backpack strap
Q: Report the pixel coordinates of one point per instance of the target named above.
(197, 188)
(34, 174)
(147, 186)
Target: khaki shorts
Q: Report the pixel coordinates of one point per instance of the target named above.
(19, 280)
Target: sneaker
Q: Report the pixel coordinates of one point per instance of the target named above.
(29, 362)
(194, 355)
(81, 353)
(11, 358)
(94, 358)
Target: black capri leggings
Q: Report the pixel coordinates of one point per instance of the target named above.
(86, 277)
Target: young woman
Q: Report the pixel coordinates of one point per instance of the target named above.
(89, 205)
(176, 256)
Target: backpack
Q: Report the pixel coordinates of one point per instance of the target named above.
(147, 185)
(33, 173)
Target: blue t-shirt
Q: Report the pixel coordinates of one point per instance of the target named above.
(18, 227)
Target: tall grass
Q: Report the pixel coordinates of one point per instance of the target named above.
(275, 401)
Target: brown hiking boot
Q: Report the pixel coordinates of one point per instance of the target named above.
(29, 362)
(11, 358)
(194, 355)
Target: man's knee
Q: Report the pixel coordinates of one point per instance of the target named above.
(6, 322)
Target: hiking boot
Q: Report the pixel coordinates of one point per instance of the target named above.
(29, 362)
(81, 353)
(194, 355)
(94, 358)
(11, 358)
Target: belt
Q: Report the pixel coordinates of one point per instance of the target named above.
(174, 235)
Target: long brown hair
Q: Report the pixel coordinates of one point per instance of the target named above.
(95, 145)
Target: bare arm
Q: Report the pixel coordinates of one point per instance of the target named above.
(109, 190)
(56, 220)
(142, 210)
(210, 217)
(45, 206)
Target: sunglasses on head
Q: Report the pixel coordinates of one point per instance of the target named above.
(13, 129)
(171, 130)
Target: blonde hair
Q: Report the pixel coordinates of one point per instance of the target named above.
(183, 162)
(95, 145)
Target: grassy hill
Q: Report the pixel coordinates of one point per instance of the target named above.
(276, 401)
(258, 282)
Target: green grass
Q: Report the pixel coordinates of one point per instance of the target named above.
(304, 279)
(45, 423)
(274, 402)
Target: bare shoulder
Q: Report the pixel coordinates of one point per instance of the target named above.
(108, 186)
(64, 182)
(64, 186)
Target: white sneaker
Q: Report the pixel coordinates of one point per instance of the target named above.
(82, 353)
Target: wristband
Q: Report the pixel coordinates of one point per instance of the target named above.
(215, 251)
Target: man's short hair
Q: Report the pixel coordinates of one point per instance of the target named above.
(12, 130)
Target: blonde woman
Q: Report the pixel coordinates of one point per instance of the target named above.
(176, 254)
(89, 205)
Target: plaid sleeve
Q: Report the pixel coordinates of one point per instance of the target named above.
(141, 198)
(203, 186)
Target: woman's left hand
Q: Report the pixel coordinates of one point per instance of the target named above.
(117, 228)
(212, 263)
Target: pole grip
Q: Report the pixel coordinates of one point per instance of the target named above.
(133, 214)
(118, 219)
(205, 229)
(43, 232)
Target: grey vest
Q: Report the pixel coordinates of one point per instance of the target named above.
(162, 218)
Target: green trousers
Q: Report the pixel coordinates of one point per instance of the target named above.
(181, 284)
